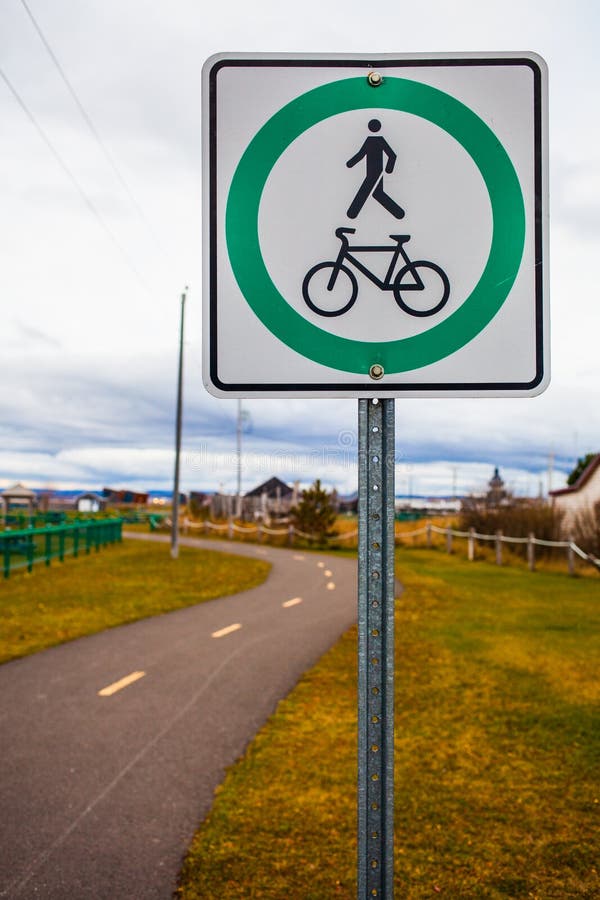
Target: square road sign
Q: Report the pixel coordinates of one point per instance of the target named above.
(375, 226)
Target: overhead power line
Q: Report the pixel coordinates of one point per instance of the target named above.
(91, 207)
(94, 131)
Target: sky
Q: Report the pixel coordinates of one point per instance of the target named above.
(100, 232)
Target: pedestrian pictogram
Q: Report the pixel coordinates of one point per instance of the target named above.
(375, 229)
(373, 151)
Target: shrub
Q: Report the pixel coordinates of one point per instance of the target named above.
(516, 520)
(315, 514)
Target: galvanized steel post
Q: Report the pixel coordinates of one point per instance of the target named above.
(376, 649)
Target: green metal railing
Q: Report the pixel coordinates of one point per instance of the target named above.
(14, 519)
(25, 547)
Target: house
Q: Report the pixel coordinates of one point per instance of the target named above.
(89, 502)
(272, 498)
(581, 497)
(124, 498)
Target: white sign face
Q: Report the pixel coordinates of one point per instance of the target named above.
(375, 227)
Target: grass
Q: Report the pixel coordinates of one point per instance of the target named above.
(123, 583)
(497, 753)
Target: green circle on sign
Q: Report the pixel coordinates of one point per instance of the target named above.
(498, 276)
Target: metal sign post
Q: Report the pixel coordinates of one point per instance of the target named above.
(376, 649)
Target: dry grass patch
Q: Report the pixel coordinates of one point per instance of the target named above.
(125, 582)
(497, 758)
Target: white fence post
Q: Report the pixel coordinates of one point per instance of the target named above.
(531, 551)
(498, 548)
(571, 556)
(471, 544)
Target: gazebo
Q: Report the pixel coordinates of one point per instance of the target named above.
(20, 496)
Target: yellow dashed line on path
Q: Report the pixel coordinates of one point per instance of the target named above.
(119, 685)
(228, 630)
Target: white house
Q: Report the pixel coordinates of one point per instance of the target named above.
(581, 497)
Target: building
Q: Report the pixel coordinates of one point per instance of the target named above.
(580, 498)
(495, 497)
(18, 498)
(124, 497)
(89, 502)
(497, 494)
(273, 498)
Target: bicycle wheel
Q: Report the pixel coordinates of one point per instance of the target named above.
(427, 291)
(326, 300)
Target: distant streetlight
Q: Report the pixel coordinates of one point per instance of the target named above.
(175, 507)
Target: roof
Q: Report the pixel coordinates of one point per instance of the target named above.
(19, 490)
(581, 481)
(271, 488)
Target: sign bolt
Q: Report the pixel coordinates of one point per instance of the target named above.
(375, 79)
(376, 372)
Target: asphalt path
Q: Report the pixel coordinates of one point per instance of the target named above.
(100, 794)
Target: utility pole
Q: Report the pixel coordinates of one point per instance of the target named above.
(175, 506)
(238, 503)
(551, 458)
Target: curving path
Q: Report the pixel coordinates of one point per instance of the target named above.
(100, 793)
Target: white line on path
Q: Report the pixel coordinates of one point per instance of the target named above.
(298, 557)
(119, 685)
(321, 565)
(294, 602)
(327, 573)
(223, 631)
(331, 586)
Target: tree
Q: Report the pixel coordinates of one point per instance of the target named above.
(315, 513)
(582, 464)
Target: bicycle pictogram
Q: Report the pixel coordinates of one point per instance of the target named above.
(420, 288)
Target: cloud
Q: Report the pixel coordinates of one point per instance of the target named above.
(88, 369)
